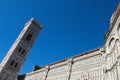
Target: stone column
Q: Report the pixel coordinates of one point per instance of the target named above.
(118, 58)
(46, 72)
(102, 53)
(70, 62)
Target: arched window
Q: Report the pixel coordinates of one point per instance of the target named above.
(111, 43)
(16, 65)
(12, 62)
(20, 49)
(23, 51)
(84, 75)
(29, 37)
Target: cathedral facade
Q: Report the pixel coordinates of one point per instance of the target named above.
(99, 64)
(102, 63)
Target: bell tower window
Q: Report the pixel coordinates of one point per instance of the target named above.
(12, 62)
(16, 65)
(23, 51)
(20, 49)
(29, 37)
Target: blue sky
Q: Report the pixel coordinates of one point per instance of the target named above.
(70, 27)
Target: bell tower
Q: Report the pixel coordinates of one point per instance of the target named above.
(16, 56)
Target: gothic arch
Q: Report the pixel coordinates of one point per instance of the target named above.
(111, 43)
(85, 75)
